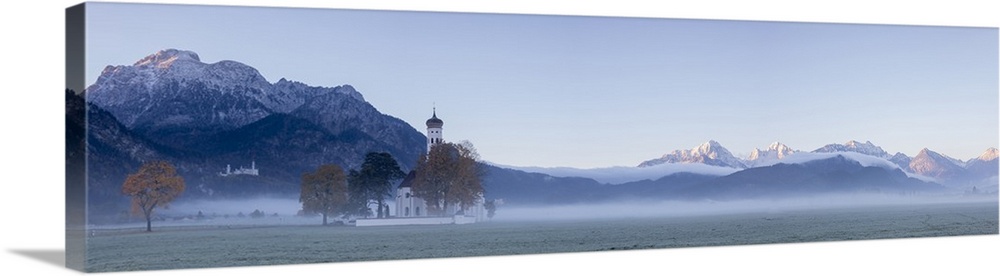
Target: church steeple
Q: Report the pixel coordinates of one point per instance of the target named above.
(434, 122)
(434, 126)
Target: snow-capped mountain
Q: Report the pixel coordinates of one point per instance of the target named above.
(202, 117)
(933, 164)
(901, 160)
(811, 174)
(989, 155)
(170, 75)
(985, 165)
(854, 146)
(775, 151)
(619, 175)
(709, 153)
(172, 93)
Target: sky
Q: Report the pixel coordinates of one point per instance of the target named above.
(585, 92)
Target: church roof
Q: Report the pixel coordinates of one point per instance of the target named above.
(408, 180)
(434, 122)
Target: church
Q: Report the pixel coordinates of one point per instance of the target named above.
(410, 206)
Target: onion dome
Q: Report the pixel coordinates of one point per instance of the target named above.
(434, 122)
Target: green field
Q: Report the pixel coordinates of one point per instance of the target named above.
(212, 246)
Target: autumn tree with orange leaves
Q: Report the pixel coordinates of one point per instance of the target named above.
(324, 191)
(449, 175)
(156, 184)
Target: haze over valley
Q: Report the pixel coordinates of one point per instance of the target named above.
(214, 119)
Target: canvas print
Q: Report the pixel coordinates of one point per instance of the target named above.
(213, 136)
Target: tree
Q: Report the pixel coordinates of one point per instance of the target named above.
(449, 174)
(156, 184)
(257, 214)
(432, 176)
(324, 191)
(491, 207)
(467, 184)
(358, 195)
(376, 176)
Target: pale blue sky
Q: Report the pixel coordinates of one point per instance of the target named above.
(599, 91)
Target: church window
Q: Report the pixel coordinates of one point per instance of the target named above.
(407, 211)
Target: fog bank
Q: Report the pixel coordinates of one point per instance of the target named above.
(268, 205)
(646, 209)
(864, 159)
(619, 175)
(282, 211)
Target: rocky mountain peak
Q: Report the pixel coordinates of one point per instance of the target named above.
(933, 164)
(774, 151)
(867, 148)
(164, 58)
(990, 154)
(709, 153)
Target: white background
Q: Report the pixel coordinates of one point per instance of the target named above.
(31, 152)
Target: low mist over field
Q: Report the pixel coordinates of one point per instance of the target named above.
(287, 208)
(269, 205)
(673, 208)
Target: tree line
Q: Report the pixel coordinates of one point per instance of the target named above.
(448, 174)
(330, 191)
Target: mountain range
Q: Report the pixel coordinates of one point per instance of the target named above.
(203, 117)
(775, 151)
(709, 153)
(810, 174)
(942, 168)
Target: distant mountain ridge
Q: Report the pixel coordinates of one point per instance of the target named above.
(854, 146)
(989, 155)
(838, 174)
(934, 164)
(927, 163)
(984, 166)
(202, 117)
(901, 160)
(170, 95)
(775, 151)
(709, 153)
(820, 174)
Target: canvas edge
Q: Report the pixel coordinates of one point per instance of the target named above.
(75, 161)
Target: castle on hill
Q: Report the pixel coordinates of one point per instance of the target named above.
(252, 170)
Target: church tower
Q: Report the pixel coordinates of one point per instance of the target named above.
(434, 131)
